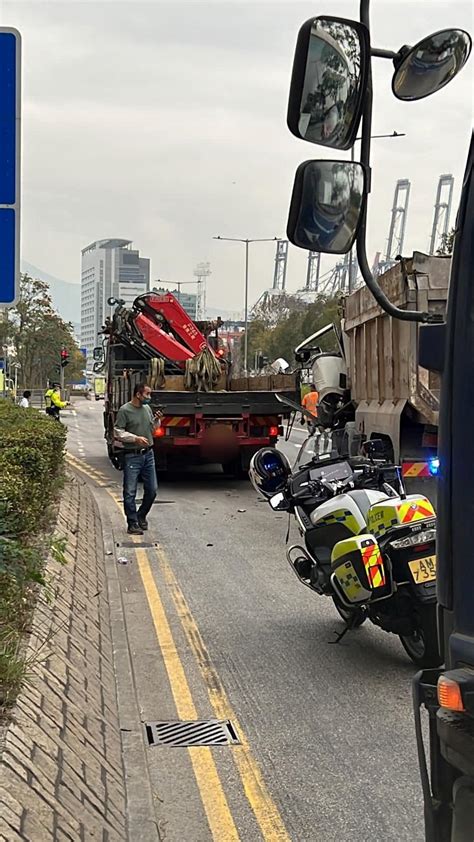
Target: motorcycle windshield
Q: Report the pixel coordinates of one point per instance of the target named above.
(314, 446)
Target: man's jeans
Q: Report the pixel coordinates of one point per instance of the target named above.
(138, 466)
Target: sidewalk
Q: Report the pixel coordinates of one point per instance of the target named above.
(62, 775)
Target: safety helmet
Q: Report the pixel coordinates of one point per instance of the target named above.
(269, 471)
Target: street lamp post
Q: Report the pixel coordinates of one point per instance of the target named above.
(247, 241)
(351, 261)
(16, 366)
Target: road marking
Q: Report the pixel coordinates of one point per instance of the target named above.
(209, 784)
(101, 479)
(258, 796)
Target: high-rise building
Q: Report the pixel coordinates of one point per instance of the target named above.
(187, 300)
(110, 269)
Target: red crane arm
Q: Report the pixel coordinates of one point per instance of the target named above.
(170, 309)
(165, 344)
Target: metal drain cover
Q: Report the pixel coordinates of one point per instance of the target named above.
(136, 544)
(207, 732)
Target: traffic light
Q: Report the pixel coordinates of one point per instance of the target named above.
(64, 357)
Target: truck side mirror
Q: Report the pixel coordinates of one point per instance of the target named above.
(98, 352)
(326, 205)
(328, 82)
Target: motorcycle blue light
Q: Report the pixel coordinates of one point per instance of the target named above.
(433, 466)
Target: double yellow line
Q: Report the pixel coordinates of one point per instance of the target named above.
(219, 816)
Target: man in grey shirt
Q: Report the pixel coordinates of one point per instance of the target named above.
(134, 427)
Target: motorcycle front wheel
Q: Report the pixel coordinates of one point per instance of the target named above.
(354, 617)
(422, 645)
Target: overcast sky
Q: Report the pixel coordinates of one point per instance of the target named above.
(165, 123)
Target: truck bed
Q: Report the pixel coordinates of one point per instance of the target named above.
(221, 404)
(381, 352)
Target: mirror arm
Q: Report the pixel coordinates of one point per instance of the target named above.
(378, 294)
(374, 51)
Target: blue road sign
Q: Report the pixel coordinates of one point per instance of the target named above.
(10, 64)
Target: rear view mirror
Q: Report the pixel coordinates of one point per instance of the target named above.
(328, 82)
(373, 447)
(279, 503)
(98, 352)
(429, 65)
(326, 206)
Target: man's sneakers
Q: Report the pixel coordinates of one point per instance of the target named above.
(134, 529)
(143, 524)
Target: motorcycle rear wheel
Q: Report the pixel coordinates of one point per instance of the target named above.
(354, 617)
(422, 646)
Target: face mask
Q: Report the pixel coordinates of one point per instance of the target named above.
(146, 401)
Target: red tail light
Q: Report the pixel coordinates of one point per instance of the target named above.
(273, 431)
(158, 433)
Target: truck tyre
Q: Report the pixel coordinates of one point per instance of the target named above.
(422, 645)
(235, 469)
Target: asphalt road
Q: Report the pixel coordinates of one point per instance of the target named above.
(210, 622)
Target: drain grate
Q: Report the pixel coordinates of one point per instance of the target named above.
(135, 544)
(207, 732)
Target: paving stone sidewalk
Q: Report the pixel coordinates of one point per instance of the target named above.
(61, 776)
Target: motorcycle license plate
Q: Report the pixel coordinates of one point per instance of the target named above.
(423, 569)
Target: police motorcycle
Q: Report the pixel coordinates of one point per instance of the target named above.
(364, 542)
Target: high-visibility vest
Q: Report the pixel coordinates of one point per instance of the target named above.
(56, 401)
(47, 398)
(310, 402)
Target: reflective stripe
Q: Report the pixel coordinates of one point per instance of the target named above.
(416, 469)
(175, 421)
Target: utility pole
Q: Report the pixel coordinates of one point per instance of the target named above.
(247, 241)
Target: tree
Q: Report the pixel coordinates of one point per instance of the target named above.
(281, 339)
(37, 334)
(447, 243)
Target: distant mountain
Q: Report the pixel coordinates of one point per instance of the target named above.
(66, 296)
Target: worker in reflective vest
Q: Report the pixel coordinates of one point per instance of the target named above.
(47, 398)
(53, 401)
(310, 403)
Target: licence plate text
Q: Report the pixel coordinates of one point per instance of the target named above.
(423, 569)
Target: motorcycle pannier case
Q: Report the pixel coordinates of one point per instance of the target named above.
(398, 512)
(358, 569)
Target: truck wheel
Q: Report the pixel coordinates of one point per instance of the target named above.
(235, 469)
(422, 645)
(352, 616)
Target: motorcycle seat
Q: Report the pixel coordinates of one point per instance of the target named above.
(362, 501)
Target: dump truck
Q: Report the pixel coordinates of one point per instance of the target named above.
(208, 414)
(371, 385)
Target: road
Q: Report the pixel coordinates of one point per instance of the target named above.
(209, 622)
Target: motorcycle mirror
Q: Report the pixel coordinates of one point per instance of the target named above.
(328, 82)
(279, 503)
(326, 205)
(428, 66)
(372, 447)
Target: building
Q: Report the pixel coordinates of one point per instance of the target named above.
(187, 300)
(110, 269)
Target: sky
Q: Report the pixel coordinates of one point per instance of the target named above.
(165, 123)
